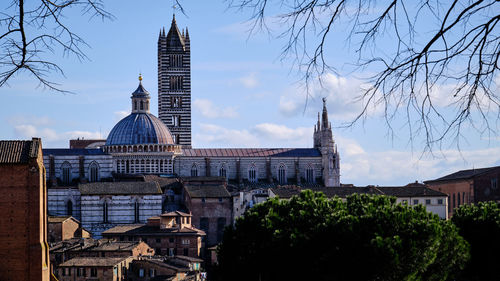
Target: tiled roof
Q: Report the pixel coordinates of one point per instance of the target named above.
(18, 151)
(252, 152)
(116, 246)
(116, 188)
(190, 259)
(397, 191)
(74, 151)
(92, 261)
(57, 219)
(143, 229)
(463, 174)
(206, 191)
(175, 214)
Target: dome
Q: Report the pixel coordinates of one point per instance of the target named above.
(139, 128)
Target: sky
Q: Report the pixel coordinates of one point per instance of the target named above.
(243, 94)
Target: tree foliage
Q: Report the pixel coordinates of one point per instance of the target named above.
(310, 237)
(480, 226)
(424, 53)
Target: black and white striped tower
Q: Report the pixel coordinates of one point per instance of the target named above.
(174, 83)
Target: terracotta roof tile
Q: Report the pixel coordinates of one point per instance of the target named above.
(92, 261)
(18, 151)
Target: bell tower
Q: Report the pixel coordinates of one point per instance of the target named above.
(323, 140)
(174, 83)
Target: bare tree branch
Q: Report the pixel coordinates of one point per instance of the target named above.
(436, 44)
(26, 35)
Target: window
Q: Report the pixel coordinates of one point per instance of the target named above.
(494, 183)
(66, 173)
(176, 102)
(405, 202)
(440, 201)
(415, 201)
(221, 224)
(458, 199)
(152, 272)
(220, 199)
(427, 201)
(81, 272)
(69, 208)
(194, 170)
(63, 271)
(185, 241)
(135, 105)
(141, 105)
(136, 211)
(105, 212)
(93, 172)
(175, 60)
(141, 272)
(203, 200)
(171, 252)
(176, 83)
(186, 252)
(310, 174)
(204, 224)
(282, 174)
(176, 120)
(93, 272)
(252, 173)
(453, 200)
(222, 171)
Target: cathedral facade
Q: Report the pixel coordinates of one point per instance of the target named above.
(87, 182)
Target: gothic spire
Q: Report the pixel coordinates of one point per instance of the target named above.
(325, 123)
(174, 36)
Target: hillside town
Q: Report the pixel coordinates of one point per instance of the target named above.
(143, 204)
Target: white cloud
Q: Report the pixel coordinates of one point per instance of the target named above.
(249, 80)
(208, 110)
(51, 137)
(260, 135)
(394, 167)
(28, 119)
(119, 115)
(341, 94)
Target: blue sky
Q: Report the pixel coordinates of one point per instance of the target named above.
(243, 95)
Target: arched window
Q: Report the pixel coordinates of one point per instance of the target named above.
(135, 105)
(142, 105)
(93, 172)
(66, 173)
(105, 212)
(194, 170)
(223, 171)
(252, 173)
(282, 174)
(310, 174)
(136, 211)
(69, 208)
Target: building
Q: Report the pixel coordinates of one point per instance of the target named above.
(173, 269)
(411, 194)
(169, 234)
(63, 228)
(211, 206)
(23, 205)
(174, 83)
(82, 269)
(468, 186)
(142, 148)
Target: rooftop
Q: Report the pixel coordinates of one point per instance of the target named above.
(464, 174)
(92, 261)
(74, 151)
(411, 190)
(19, 151)
(175, 214)
(252, 152)
(119, 188)
(206, 191)
(59, 219)
(116, 246)
(143, 229)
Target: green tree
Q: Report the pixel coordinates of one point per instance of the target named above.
(310, 237)
(480, 226)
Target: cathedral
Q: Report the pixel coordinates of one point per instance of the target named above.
(99, 184)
